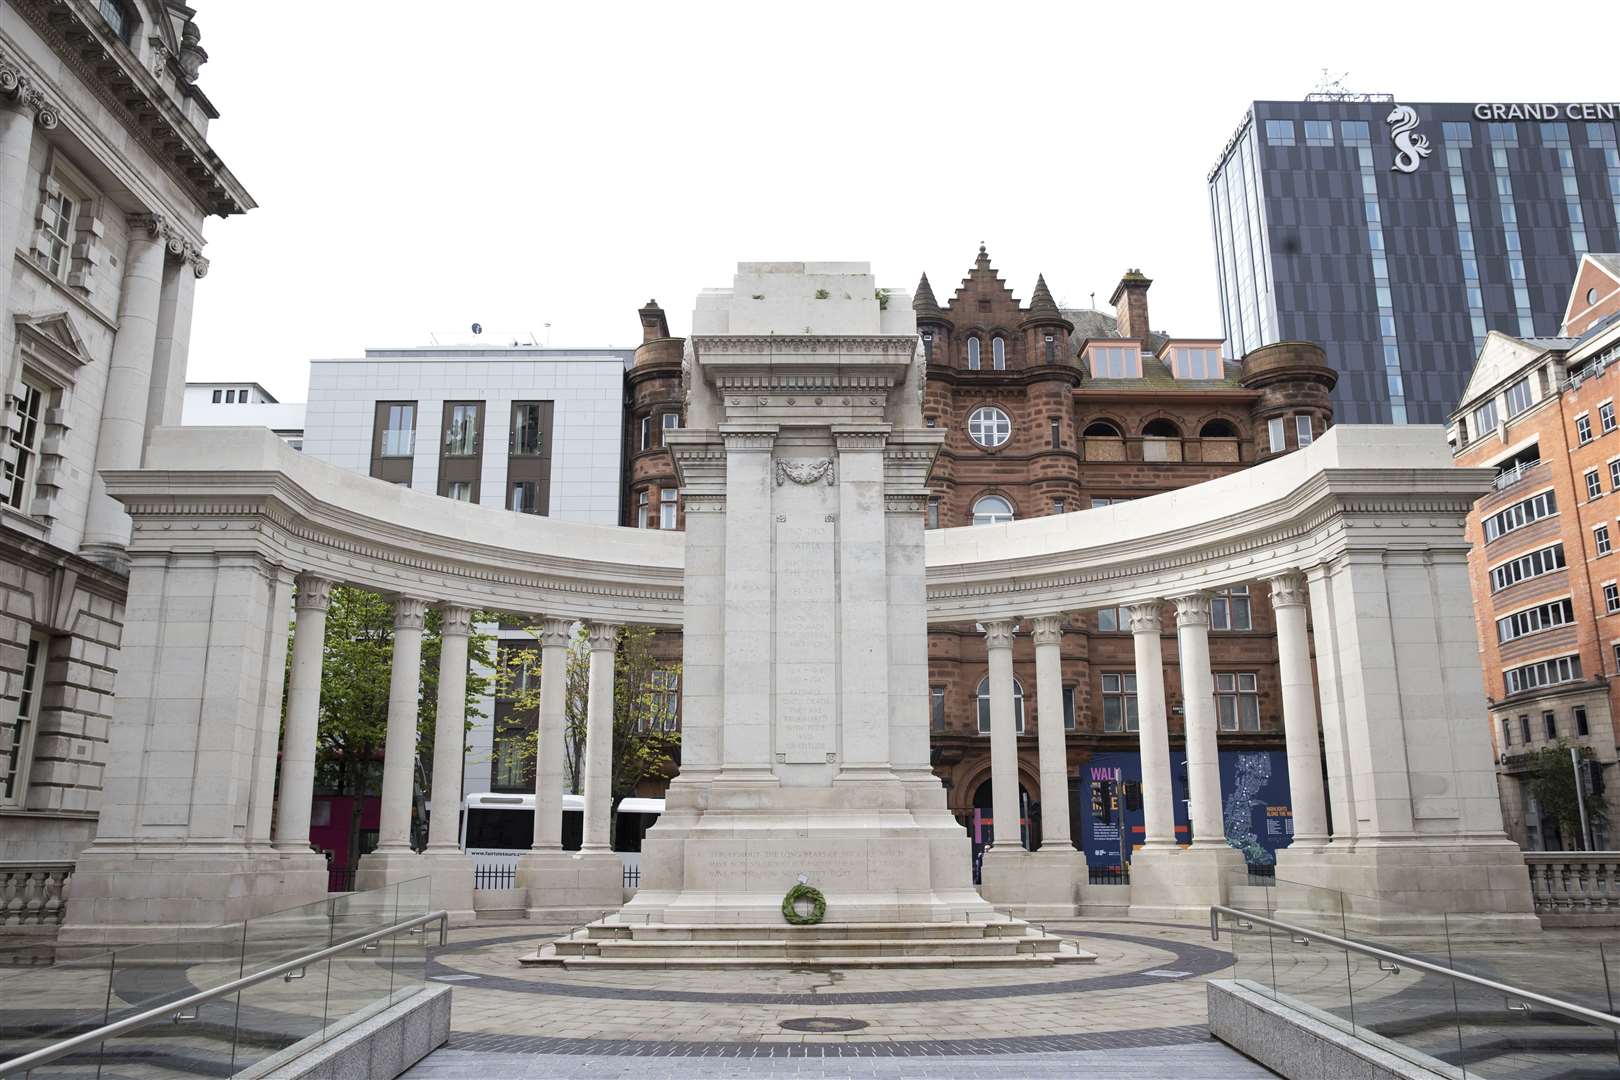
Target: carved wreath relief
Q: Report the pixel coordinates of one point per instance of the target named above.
(805, 472)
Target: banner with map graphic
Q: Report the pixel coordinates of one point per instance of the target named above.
(1258, 816)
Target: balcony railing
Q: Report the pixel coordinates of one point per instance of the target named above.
(33, 896)
(1159, 449)
(1524, 469)
(1574, 888)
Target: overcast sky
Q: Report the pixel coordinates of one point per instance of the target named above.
(420, 166)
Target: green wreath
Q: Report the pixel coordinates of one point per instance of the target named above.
(818, 905)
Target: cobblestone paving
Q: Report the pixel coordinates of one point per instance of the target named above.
(1137, 1012)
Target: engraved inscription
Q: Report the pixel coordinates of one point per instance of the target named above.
(805, 702)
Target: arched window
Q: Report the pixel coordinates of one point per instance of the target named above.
(1101, 429)
(1218, 429)
(973, 354)
(992, 510)
(1161, 429)
(998, 353)
(984, 706)
(989, 426)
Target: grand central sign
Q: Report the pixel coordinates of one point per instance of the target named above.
(1602, 110)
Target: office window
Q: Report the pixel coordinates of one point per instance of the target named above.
(459, 490)
(1520, 514)
(1606, 416)
(1561, 669)
(1580, 720)
(461, 429)
(992, 510)
(1355, 132)
(1318, 133)
(666, 507)
(973, 353)
(989, 426)
(1280, 132)
(1611, 598)
(1594, 484)
(1302, 430)
(646, 433)
(1276, 429)
(1068, 708)
(217, 396)
(1600, 539)
(1534, 620)
(399, 432)
(641, 509)
(984, 706)
(19, 746)
(19, 454)
(1229, 609)
(1549, 725)
(1484, 420)
(1583, 429)
(936, 708)
(1119, 701)
(1518, 397)
(998, 353)
(523, 497)
(1534, 564)
(527, 436)
(1237, 700)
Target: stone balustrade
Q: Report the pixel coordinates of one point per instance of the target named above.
(33, 896)
(1575, 888)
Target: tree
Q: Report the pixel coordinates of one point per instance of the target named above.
(355, 674)
(1552, 784)
(645, 740)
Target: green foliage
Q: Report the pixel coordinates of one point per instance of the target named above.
(822, 294)
(790, 905)
(1552, 784)
(642, 747)
(882, 298)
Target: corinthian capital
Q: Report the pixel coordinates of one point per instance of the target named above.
(409, 613)
(1288, 589)
(455, 621)
(1047, 629)
(603, 636)
(998, 633)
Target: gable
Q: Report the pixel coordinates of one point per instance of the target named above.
(1595, 294)
(1501, 358)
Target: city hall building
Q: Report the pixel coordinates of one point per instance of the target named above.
(1398, 234)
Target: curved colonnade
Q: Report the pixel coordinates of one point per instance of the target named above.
(1364, 530)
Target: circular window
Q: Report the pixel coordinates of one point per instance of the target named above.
(989, 426)
(992, 510)
(1591, 296)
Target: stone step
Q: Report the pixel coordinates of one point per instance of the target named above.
(818, 963)
(820, 932)
(793, 949)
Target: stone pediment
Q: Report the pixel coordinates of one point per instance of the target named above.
(53, 339)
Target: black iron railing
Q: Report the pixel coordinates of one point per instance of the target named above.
(632, 877)
(340, 879)
(1108, 875)
(495, 877)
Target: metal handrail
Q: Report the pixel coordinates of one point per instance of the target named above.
(175, 1010)
(1527, 998)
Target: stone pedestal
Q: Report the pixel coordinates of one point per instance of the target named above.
(570, 886)
(1181, 882)
(450, 887)
(1033, 884)
(388, 868)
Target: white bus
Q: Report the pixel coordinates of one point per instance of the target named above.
(496, 829)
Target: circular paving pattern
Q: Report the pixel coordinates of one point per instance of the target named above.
(822, 1025)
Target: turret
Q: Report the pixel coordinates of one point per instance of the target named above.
(1296, 386)
(1046, 331)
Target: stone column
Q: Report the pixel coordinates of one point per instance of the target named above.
(598, 772)
(998, 642)
(450, 870)
(310, 603)
(1048, 634)
(122, 435)
(165, 399)
(555, 635)
(1198, 699)
(16, 139)
(399, 750)
(1288, 592)
(1153, 735)
(262, 806)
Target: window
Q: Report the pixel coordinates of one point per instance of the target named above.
(1354, 132)
(928, 348)
(1560, 669)
(646, 433)
(1484, 421)
(1535, 620)
(1115, 362)
(230, 397)
(1237, 700)
(1051, 349)
(1119, 701)
(973, 353)
(670, 421)
(217, 394)
(1524, 729)
(1536, 563)
(989, 426)
(984, 706)
(1549, 725)
(1580, 720)
(1614, 475)
(932, 520)
(19, 454)
(1318, 133)
(1594, 484)
(1196, 362)
(1507, 732)
(461, 430)
(399, 431)
(992, 510)
(998, 353)
(56, 235)
(1520, 514)
(666, 507)
(1230, 609)
(1606, 416)
(1583, 429)
(1276, 429)
(1600, 539)
(1053, 430)
(1103, 500)
(459, 490)
(19, 747)
(641, 509)
(936, 708)
(1518, 397)
(663, 700)
(524, 497)
(242, 398)
(117, 17)
(1068, 708)
(1280, 132)
(526, 438)
(1302, 430)
(1059, 506)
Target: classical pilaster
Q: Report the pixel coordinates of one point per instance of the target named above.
(262, 804)
(555, 635)
(1288, 596)
(1198, 700)
(449, 730)
(21, 107)
(1153, 735)
(166, 395)
(122, 434)
(998, 643)
(863, 627)
(598, 779)
(310, 603)
(399, 750)
(749, 616)
(1054, 757)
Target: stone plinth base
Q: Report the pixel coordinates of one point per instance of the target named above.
(450, 887)
(1401, 887)
(1182, 882)
(1042, 884)
(571, 886)
(382, 868)
(129, 894)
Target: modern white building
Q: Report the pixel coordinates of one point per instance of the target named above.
(239, 404)
(527, 428)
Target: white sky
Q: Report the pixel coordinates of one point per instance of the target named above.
(423, 165)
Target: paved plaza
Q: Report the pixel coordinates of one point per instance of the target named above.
(1139, 1011)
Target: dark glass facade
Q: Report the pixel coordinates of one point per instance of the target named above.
(1319, 237)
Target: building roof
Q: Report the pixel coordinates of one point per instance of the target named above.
(1500, 358)
(227, 384)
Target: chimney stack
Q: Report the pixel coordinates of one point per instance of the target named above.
(1130, 306)
(653, 323)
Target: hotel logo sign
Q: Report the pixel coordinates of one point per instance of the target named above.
(1529, 110)
(1410, 149)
